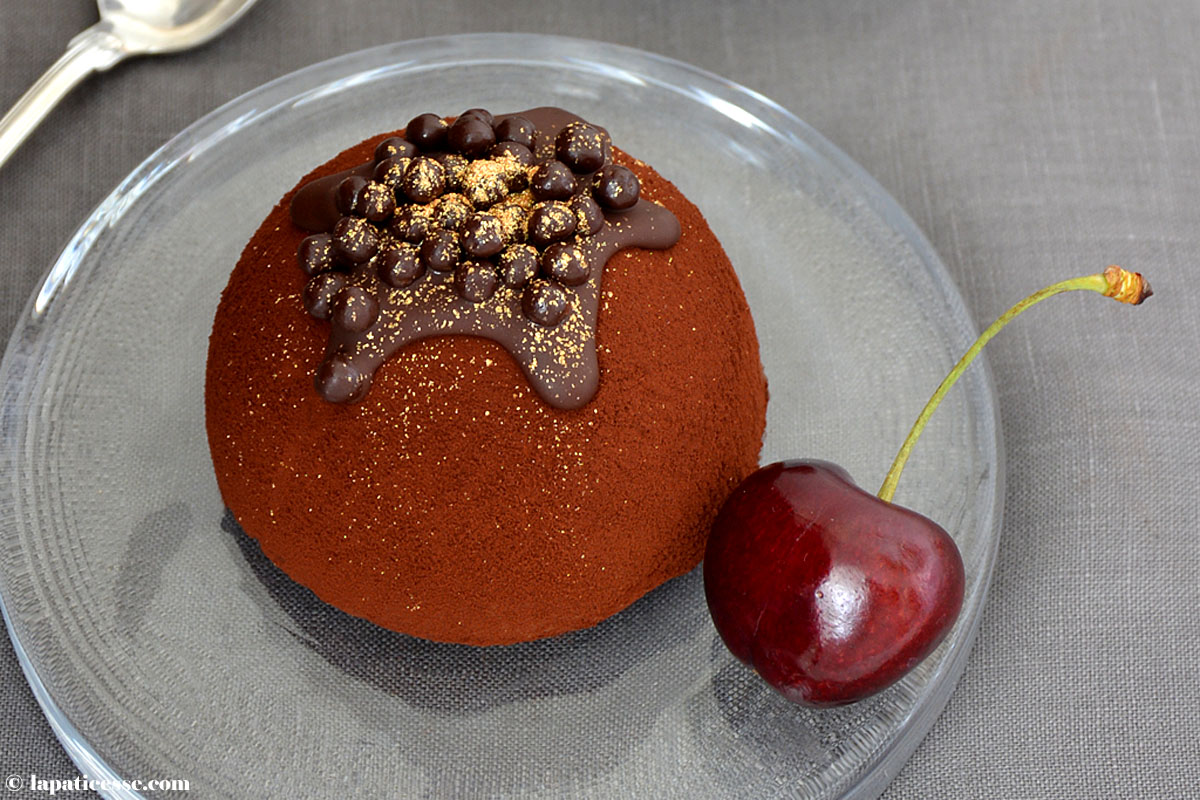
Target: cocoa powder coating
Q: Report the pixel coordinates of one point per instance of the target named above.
(453, 503)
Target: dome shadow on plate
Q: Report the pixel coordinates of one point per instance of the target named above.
(773, 736)
(464, 680)
(154, 540)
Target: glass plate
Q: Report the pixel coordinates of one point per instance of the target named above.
(162, 645)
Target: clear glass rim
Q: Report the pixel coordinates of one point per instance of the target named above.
(720, 93)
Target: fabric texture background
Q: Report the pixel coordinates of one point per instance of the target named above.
(1031, 141)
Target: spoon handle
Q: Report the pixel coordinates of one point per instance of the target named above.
(95, 49)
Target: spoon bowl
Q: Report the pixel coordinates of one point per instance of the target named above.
(165, 26)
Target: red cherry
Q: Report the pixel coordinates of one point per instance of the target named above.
(830, 593)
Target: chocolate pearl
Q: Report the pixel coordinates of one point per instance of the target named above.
(545, 303)
(360, 197)
(551, 221)
(354, 308)
(484, 183)
(616, 187)
(354, 239)
(394, 147)
(471, 136)
(453, 165)
(410, 223)
(516, 129)
(513, 219)
(424, 179)
(565, 263)
(513, 150)
(452, 211)
(581, 146)
(439, 251)
(320, 291)
(390, 171)
(475, 280)
(510, 164)
(400, 266)
(481, 236)
(376, 202)
(346, 195)
(516, 175)
(518, 264)
(426, 131)
(588, 215)
(339, 381)
(316, 253)
(481, 114)
(552, 181)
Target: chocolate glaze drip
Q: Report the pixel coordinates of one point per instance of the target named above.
(314, 208)
(558, 359)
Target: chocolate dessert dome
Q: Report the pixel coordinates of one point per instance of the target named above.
(483, 380)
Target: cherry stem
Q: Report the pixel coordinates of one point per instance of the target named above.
(1114, 282)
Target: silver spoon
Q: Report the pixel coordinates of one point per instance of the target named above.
(126, 28)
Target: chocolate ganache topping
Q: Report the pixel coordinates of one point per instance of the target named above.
(497, 227)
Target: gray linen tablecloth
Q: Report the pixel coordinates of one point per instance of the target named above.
(1030, 140)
